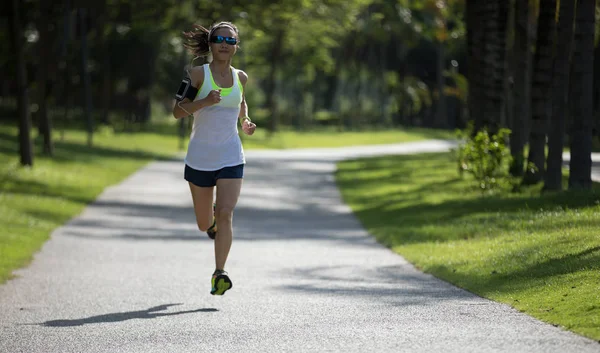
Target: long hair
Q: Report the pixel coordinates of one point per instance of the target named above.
(197, 40)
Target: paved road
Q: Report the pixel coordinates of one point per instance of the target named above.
(131, 274)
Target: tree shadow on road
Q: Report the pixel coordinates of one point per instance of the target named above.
(396, 285)
(150, 313)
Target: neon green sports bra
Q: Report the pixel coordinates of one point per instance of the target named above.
(224, 91)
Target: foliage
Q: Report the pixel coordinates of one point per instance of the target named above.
(484, 156)
(331, 50)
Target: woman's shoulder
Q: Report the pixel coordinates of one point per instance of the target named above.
(197, 74)
(242, 76)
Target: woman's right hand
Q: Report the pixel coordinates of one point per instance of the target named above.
(214, 97)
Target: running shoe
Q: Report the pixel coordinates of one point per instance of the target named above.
(220, 283)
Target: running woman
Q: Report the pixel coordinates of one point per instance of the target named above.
(214, 94)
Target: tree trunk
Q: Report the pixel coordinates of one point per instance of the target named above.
(540, 92)
(86, 77)
(580, 176)
(495, 64)
(45, 49)
(441, 119)
(25, 145)
(272, 79)
(521, 87)
(65, 65)
(475, 36)
(103, 23)
(560, 92)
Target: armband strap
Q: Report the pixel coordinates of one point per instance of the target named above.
(186, 90)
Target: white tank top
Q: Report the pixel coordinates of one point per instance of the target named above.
(214, 141)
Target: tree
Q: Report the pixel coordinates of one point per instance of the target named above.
(494, 64)
(581, 97)
(522, 86)
(441, 119)
(560, 92)
(87, 94)
(540, 92)
(45, 53)
(25, 145)
(475, 37)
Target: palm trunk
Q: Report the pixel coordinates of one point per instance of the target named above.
(560, 92)
(521, 88)
(441, 119)
(540, 93)
(86, 77)
(103, 23)
(45, 124)
(25, 144)
(580, 176)
(495, 64)
(272, 79)
(475, 45)
(66, 66)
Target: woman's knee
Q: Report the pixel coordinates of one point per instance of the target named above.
(204, 222)
(204, 225)
(224, 212)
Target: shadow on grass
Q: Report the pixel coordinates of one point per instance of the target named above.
(401, 218)
(409, 210)
(525, 278)
(151, 313)
(70, 151)
(65, 152)
(16, 186)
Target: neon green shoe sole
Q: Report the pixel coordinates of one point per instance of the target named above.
(220, 284)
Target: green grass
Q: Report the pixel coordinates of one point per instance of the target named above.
(35, 201)
(323, 137)
(332, 138)
(540, 254)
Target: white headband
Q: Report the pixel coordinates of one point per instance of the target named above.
(220, 26)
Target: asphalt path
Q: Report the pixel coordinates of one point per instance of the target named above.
(131, 273)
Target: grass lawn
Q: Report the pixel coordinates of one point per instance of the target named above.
(35, 201)
(333, 138)
(540, 254)
(323, 137)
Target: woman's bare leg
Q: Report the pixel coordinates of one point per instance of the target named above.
(203, 205)
(228, 193)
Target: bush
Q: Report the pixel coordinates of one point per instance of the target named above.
(485, 156)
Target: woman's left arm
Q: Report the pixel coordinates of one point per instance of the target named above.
(247, 125)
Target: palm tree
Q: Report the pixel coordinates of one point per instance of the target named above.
(25, 145)
(540, 92)
(581, 96)
(274, 60)
(87, 94)
(494, 62)
(45, 52)
(560, 92)
(522, 86)
(475, 32)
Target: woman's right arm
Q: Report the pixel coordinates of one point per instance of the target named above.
(187, 107)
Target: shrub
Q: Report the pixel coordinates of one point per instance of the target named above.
(485, 156)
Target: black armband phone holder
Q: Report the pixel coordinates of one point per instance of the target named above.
(186, 90)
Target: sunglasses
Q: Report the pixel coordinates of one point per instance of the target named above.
(221, 39)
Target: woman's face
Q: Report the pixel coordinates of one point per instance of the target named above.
(223, 50)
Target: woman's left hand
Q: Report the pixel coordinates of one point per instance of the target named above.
(248, 127)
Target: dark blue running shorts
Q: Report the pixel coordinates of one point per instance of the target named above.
(205, 178)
